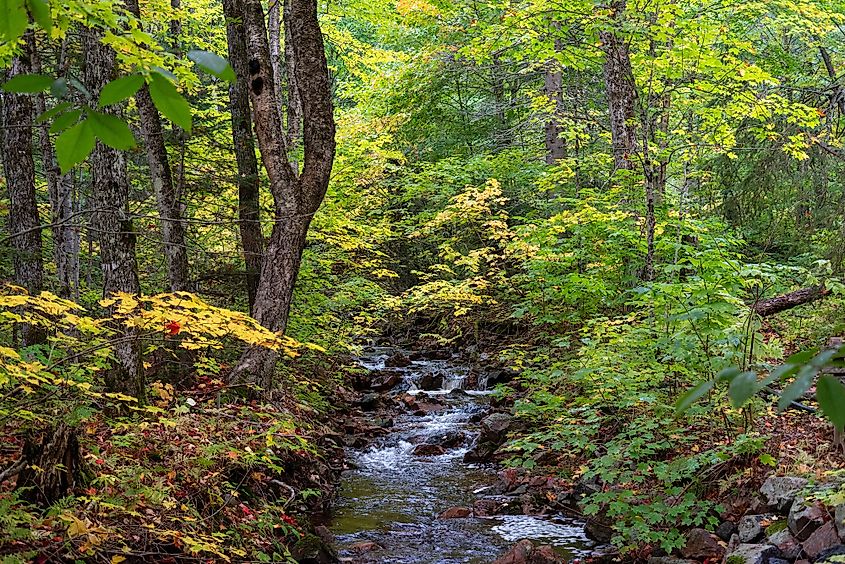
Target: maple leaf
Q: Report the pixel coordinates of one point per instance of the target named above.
(173, 327)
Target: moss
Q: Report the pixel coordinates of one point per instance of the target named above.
(776, 527)
(735, 560)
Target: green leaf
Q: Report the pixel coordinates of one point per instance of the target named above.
(213, 64)
(58, 88)
(692, 395)
(65, 120)
(120, 89)
(742, 388)
(74, 145)
(768, 459)
(111, 130)
(169, 102)
(13, 19)
(40, 10)
(57, 109)
(29, 83)
(802, 357)
(800, 385)
(728, 374)
(831, 395)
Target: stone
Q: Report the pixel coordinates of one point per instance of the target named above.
(778, 561)
(725, 530)
(495, 428)
(751, 527)
(669, 560)
(524, 552)
(457, 512)
(397, 360)
(370, 402)
(828, 554)
(780, 491)
(839, 520)
(823, 538)
(702, 545)
(598, 530)
(449, 439)
(430, 381)
(805, 519)
(385, 380)
(786, 543)
(383, 422)
(365, 546)
(753, 554)
(310, 549)
(486, 507)
(428, 450)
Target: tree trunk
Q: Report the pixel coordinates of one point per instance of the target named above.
(294, 101)
(249, 211)
(53, 466)
(621, 92)
(19, 169)
(114, 223)
(771, 306)
(296, 198)
(169, 208)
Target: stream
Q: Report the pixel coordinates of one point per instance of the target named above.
(393, 497)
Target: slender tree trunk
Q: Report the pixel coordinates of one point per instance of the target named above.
(621, 92)
(19, 169)
(294, 101)
(113, 223)
(296, 198)
(249, 211)
(555, 144)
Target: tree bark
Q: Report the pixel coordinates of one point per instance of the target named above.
(114, 223)
(161, 176)
(53, 466)
(249, 211)
(296, 197)
(294, 101)
(19, 167)
(771, 306)
(621, 92)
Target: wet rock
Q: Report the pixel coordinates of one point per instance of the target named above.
(486, 507)
(449, 439)
(804, 519)
(725, 530)
(385, 380)
(364, 547)
(599, 530)
(493, 376)
(701, 545)
(428, 450)
(370, 402)
(457, 512)
(480, 453)
(753, 554)
(786, 543)
(311, 549)
(384, 422)
(430, 381)
(779, 491)
(839, 520)
(437, 354)
(495, 428)
(669, 560)
(750, 528)
(823, 538)
(397, 360)
(524, 552)
(458, 393)
(829, 554)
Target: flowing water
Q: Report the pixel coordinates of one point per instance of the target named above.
(393, 497)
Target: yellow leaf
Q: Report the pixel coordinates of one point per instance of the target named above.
(117, 559)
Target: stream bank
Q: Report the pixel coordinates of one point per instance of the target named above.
(422, 491)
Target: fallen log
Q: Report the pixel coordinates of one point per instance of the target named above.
(771, 306)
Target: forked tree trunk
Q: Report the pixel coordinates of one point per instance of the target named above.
(249, 211)
(294, 99)
(296, 198)
(114, 224)
(19, 167)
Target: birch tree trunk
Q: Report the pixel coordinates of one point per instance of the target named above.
(114, 223)
(249, 211)
(296, 198)
(19, 167)
(621, 92)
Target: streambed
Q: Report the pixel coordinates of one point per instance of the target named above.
(393, 497)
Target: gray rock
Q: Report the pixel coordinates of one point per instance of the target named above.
(397, 360)
(726, 530)
(805, 519)
(780, 491)
(702, 545)
(778, 561)
(788, 544)
(823, 538)
(669, 560)
(753, 554)
(370, 402)
(839, 519)
(495, 427)
(750, 528)
(828, 555)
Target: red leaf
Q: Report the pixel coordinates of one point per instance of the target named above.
(173, 327)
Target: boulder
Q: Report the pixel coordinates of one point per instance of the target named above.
(493, 376)
(725, 530)
(750, 528)
(524, 552)
(370, 402)
(786, 543)
(495, 428)
(385, 380)
(486, 507)
(428, 450)
(449, 439)
(397, 360)
(311, 549)
(669, 560)
(598, 530)
(779, 492)
(839, 520)
(365, 546)
(753, 554)
(457, 512)
(829, 554)
(702, 545)
(805, 519)
(823, 538)
(383, 422)
(430, 381)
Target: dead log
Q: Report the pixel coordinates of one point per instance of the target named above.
(771, 306)
(53, 465)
